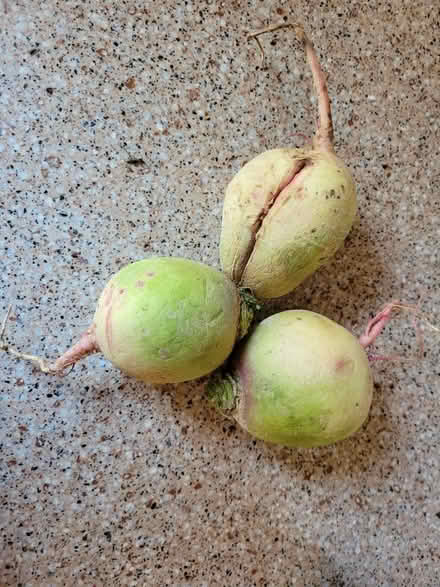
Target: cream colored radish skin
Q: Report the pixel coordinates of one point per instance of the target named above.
(287, 211)
(301, 227)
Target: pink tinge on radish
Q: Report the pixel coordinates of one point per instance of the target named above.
(85, 346)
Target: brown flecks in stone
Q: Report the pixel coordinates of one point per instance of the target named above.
(54, 161)
(130, 83)
(136, 162)
(193, 94)
(248, 487)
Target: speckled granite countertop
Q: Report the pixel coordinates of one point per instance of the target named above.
(105, 481)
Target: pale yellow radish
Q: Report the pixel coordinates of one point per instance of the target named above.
(288, 210)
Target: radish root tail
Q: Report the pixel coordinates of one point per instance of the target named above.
(378, 323)
(85, 346)
(324, 133)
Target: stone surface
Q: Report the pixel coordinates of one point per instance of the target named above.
(121, 123)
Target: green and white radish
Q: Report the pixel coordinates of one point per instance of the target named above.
(162, 320)
(288, 210)
(299, 379)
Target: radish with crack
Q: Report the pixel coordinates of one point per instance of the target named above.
(288, 210)
(161, 320)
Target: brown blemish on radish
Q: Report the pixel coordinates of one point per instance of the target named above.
(150, 274)
(121, 291)
(299, 194)
(140, 283)
(344, 366)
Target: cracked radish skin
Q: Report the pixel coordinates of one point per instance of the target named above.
(287, 211)
(162, 320)
(299, 379)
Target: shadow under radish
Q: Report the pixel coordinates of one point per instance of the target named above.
(358, 276)
(363, 454)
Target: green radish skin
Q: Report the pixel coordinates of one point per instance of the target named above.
(167, 320)
(299, 380)
(161, 320)
(309, 201)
